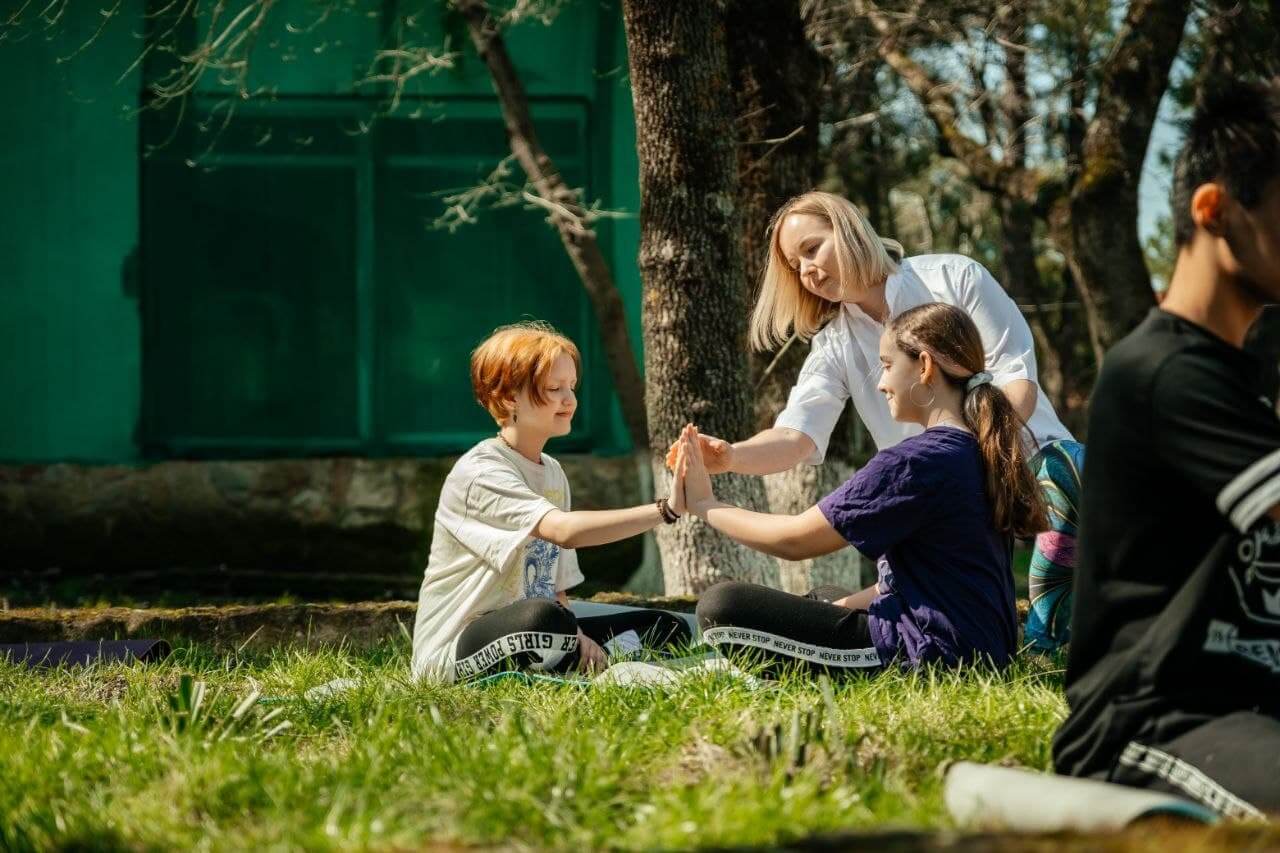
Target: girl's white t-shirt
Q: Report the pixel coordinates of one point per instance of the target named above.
(483, 556)
(844, 356)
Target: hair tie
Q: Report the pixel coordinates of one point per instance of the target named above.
(980, 378)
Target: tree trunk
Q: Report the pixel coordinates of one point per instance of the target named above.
(567, 215)
(1017, 217)
(1022, 280)
(777, 77)
(694, 305)
(1105, 252)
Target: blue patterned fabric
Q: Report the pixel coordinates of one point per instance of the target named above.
(1057, 467)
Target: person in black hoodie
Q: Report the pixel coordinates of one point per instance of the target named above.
(1173, 676)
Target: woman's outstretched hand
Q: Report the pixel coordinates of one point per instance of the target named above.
(717, 454)
(691, 472)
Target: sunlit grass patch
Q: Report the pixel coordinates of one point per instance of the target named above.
(181, 754)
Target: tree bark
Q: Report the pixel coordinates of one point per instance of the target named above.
(1023, 281)
(1017, 219)
(1105, 251)
(777, 77)
(694, 307)
(567, 215)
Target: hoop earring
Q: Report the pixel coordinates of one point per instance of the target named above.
(911, 395)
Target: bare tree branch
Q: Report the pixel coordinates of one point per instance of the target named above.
(421, 60)
(935, 96)
(566, 213)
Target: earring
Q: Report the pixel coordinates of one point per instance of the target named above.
(911, 395)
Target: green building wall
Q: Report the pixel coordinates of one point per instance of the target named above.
(70, 357)
(85, 378)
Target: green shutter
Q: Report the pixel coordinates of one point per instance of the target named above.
(298, 301)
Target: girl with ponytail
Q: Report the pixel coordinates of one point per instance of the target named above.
(945, 336)
(937, 511)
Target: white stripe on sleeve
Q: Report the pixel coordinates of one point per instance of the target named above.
(1256, 505)
(1239, 499)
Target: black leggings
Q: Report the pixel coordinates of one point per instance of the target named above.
(748, 620)
(540, 634)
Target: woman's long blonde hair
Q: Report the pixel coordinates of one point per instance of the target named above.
(863, 258)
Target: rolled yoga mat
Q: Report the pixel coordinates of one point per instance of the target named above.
(84, 652)
(984, 796)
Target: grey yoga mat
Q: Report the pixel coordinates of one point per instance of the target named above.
(984, 796)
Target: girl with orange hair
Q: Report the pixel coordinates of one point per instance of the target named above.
(502, 552)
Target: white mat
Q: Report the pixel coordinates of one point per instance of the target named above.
(983, 796)
(671, 673)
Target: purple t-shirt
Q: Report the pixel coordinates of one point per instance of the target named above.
(920, 510)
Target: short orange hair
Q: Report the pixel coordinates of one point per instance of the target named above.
(515, 358)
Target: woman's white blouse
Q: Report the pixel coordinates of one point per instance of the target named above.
(844, 357)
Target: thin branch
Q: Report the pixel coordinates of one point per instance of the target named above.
(107, 15)
(764, 375)
(776, 144)
(935, 96)
(580, 242)
(425, 61)
(776, 141)
(15, 17)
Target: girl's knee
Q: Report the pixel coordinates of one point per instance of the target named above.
(721, 603)
(542, 615)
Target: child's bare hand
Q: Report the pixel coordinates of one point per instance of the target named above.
(591, 658)
(677, 501)
(692, 472)
(717, 454)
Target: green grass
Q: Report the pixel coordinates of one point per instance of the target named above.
(116, 756)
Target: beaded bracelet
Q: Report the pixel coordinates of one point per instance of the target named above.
(668, 514)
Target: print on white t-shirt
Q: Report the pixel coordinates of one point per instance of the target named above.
(540, 558)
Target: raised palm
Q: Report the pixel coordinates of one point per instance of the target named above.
(692, 476)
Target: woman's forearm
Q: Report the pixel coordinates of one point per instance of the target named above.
(584, 528)
(1022, 396)
(772, 450)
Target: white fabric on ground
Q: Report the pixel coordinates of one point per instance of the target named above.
(984, 796)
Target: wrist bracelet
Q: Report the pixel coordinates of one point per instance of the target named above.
(668, 514)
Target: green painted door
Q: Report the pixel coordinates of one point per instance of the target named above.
(298, 300)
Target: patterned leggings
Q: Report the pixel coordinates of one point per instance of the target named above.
(1057, 467)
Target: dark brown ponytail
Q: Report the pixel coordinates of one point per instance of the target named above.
(952, 341)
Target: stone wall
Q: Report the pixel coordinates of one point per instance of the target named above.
(255, 627)
(316, 528)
